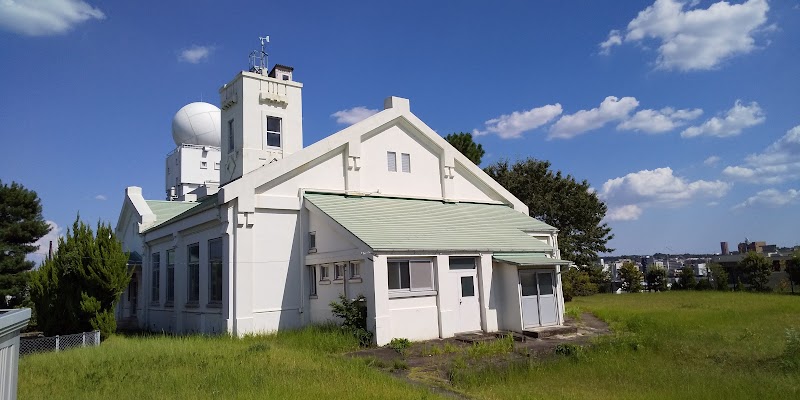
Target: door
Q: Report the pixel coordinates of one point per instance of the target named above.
(133, 295)
(469, 311)
(538, 299)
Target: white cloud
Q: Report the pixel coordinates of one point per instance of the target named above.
(353, 115)
(43, 244)
(45, 17)
(712, 161)
(659, 121)
(771, 198)
(195, 54)
(779, 162)
(611, 109)
(511, 126)
(101, 197)
(627, 196)
(731, 124)
(695, 38)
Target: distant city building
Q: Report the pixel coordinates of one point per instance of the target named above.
(723, 247)
(758, 247)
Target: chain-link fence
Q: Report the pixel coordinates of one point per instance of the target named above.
(58, 343)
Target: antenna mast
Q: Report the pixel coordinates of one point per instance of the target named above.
(258, 59)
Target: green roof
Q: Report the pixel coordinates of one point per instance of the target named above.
(392, 224)
(167, 210)
(525, 259)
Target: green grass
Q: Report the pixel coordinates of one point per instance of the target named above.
(293, 365)
(699, 345)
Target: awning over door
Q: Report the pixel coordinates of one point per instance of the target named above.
(528, 259)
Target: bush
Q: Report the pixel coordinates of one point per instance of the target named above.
(631, 278)
(569, 350)
(704, 284)
(720, 277)
(791, 354)
(656, 278)
(400, 345)
(686, 279)
(354, 317)
(576, 282)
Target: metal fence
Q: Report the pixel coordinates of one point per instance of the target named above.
(58, 343)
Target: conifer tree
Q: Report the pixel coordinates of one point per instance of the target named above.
(21, 225)
(77, 290)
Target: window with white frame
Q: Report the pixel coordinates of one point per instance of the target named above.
(312, 279)
(204, 164)
(338, 271)
(230, 136)
(355, 270)
(170, 276)
(193, 273)
(312, 242)
(155, 263)
(405, 162)
(391, 161)
(410, 275)
(215, 271)
(272, 138)
(324, 272)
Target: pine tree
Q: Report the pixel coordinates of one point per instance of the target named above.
(464, 143)
(21, 225)
(77, 290)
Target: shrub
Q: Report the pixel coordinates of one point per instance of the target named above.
(399, 365)
(686, 279)
(576, 282)
(720, 277)
(354, 317)
(400, 345)
(656, 278)
(703, 284)
(631, 278)
(791, 354)
(569, 350)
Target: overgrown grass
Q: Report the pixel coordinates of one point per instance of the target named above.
(666, 345)
(292, 365)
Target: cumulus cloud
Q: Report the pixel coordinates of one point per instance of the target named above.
(659, 121)
(45, 17)
(353, 115)
(628, 195)
(195, 54)
(731, 123)
(611, 109)
(510, 126)
(712, 161)
(692, 38)
(771, 198)
(779, 162)
(101, 197)
(43, 244)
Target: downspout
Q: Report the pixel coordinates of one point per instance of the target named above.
(301, 256)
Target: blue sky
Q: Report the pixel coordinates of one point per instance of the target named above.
(683, 115)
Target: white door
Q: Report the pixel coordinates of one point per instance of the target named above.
(469, 311)
(537, 290)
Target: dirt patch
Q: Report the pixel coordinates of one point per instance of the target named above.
(430, 363)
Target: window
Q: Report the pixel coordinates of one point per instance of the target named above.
(273, 136)
(312, 242)
(155, 263)
(467, 286)
(216, 166)
(286, 77)
(170, 276)
(230, 136)
(405, 160)
(355, 270)
(391, 159)
(324, 272)
(312, 279)
(203, 164)
(215, 271)
(193, 275)
(462, 263)
(410, 275)
(338, 271)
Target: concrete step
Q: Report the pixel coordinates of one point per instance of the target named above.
(548, 331)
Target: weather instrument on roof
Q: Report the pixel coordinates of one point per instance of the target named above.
(258, 59)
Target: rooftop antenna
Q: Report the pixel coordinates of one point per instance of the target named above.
(258, 59)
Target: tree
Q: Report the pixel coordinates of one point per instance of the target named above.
(463, 142)
(577, 282)
(77, 290)
(570, 206)
(720, 276)
(758, 270)
(631, 278)
(21, 225)
(793, 269)
(686, 279)
(656, 278)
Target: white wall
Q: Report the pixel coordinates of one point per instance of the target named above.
(509, 312)
(184, 168)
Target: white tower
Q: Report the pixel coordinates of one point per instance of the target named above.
(195, 162)
(261, 119)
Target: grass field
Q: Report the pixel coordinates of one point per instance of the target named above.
(666, 345)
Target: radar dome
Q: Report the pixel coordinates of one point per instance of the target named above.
(197, 123)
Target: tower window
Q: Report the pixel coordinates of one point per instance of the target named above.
(286, 77)
(273, 136)
(230, 136)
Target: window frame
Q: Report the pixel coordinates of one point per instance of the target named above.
(192, 270)
(324, 273)
(155, 277)
(339, 271)
(354, 270)
(312, 242)
(268, 132)
(312, 277)
(170, 295)
(411, 291)
(405, 162)
(213, 280)
(391, 161)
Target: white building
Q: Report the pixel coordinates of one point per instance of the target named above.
(385, 208)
